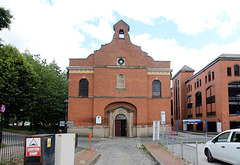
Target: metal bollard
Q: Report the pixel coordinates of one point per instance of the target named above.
(197, 153)
(181, 149)
(167, 141)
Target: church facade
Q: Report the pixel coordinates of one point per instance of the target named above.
(118, 90)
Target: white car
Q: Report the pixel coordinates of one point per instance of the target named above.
(225, 147)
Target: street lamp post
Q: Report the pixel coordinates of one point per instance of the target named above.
(66, 114)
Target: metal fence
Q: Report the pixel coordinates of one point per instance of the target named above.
(182, 146)
(12, 146)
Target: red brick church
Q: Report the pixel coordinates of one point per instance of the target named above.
(118, 90)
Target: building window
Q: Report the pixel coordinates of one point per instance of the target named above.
(198, 97)
(83, 88)
(121, 81)
(234, 98)
(156, 88)
(210, 101)
(213, 76)
(205, 79)
(189, 89)
(236, 70)
(200, 82)
(189, 106)
(121, 33)
(198, 102)
(229, 71)
(209, 76)
(197, 83)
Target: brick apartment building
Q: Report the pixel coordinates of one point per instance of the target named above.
(210, 99)
(118, 90)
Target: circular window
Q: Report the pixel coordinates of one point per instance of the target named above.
(121, 61)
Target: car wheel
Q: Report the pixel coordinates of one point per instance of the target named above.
(209, 157)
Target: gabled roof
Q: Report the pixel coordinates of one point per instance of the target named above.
(185, 68)
(121, 21)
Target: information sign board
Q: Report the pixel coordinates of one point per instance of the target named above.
(98, 119)
(156, 126)
(33, 147)
(163, 117)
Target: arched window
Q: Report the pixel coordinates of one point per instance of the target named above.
(156, 88)
(83, 88)
(198, 102)
(121, 33)
(236, 70)
(210, 101)
(189, 106)
(121, 81)
(198, 98)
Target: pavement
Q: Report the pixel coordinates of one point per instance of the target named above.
(86, 157)
(159, 154)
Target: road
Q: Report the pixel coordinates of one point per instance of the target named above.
(112, 148)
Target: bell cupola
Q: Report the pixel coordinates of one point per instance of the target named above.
(121, 29)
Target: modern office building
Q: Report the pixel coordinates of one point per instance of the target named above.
(210, 99)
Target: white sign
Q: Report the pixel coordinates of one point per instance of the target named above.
(33, 146)
(62, 123)
(163, 117)
(156, 126)
(219, 127)
(70, 123)
(98, 119)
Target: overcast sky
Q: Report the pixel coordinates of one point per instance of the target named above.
(185, 32)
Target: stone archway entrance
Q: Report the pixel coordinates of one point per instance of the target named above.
(120, 125)
(120, 122)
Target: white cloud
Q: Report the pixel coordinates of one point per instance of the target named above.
(58, 31)
(170, 50)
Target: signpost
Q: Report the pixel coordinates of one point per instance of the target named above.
(33, 147)
(156, 126)
(3, 108)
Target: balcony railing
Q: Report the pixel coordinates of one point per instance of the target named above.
(198, 114)
(210, 100)
(189, 106)
(190, 116)
(211, 113)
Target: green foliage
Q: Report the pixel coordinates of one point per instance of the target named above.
(5, 18)
(25, 129)
(31, 89)
(17, 81)
(51, 90)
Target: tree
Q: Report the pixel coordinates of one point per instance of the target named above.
(5, 18)
(47, 105)
(17, 81)
(31, 89)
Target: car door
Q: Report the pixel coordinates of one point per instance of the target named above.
(233, 148)
(218, 146)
